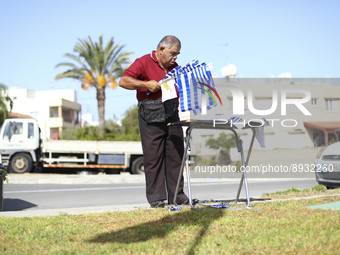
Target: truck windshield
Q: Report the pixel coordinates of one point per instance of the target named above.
(8, 132)
(13, 128)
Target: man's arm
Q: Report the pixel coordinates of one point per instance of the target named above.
(131, 83)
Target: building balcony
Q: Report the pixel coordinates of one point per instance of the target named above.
(57, 122)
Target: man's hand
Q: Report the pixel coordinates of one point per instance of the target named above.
(152, 86)
(132, 83)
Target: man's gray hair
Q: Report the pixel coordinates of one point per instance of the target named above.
(169, 41)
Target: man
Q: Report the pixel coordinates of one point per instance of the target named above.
(162, 145)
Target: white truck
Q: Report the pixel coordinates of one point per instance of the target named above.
(21, 150)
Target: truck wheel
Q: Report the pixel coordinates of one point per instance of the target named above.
(138, 166)
(21, 163)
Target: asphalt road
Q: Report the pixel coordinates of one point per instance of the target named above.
(32, 197)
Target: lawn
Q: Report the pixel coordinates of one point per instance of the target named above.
(275, 227)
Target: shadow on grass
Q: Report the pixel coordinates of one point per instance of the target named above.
(163, 227)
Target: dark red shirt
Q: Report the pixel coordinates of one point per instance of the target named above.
(147, 68)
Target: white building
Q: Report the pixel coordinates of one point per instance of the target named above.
(54, 110)
(87, 120)
(298, 129)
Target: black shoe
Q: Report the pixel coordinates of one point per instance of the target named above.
(157, 204)
(194, 201)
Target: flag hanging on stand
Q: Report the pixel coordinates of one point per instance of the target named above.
(194, 82)
(197, 92)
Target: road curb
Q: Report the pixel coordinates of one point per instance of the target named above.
(74, 179)
(108, 179)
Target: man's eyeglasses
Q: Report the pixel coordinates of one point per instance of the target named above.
(174, 53)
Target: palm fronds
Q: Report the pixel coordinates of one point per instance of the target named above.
(103, 64)
(5, 100)
(96, 66)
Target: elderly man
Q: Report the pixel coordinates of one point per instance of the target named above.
(162, 145)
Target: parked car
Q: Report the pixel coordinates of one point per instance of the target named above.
(327, 166)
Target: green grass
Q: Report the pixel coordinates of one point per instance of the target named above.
(295, 192)
(286, 227)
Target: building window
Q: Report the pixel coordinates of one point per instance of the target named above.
(314, 102)
(331, 105)
(66, 114)
(54, 112)
(318, 139)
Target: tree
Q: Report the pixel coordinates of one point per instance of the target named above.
(4, 101)
(127, 131)
(99, 68)
(223, 142)
(130, 124)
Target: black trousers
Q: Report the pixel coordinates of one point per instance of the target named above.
(163, 150)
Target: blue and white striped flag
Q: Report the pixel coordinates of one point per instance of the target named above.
(190, 81)
(194, 83)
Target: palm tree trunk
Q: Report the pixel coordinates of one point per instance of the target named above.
(101, 108)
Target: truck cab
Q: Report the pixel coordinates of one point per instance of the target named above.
(20, 145)
(21, 149)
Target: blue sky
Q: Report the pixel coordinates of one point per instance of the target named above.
(264, 38)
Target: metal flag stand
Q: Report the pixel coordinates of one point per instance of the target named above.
(209, 124)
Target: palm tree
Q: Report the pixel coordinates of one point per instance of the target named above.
(99, 68)
(4, 101)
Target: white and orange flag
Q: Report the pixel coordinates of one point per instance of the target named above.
(168, 89)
